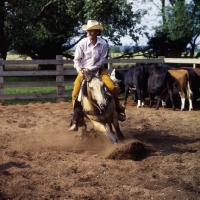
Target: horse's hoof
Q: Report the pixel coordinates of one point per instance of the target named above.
(74, 127)
(121, 117)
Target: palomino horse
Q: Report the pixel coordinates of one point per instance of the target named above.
(99, 106)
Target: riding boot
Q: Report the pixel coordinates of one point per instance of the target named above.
(78, 117)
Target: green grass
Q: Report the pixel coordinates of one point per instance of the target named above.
(28, 79)
(33, 90)
(29, 90)
(13, 56)
(27, 101)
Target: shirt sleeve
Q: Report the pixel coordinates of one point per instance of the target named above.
(103, 55)
(77, 57)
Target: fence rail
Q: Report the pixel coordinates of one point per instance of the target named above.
(60, 72)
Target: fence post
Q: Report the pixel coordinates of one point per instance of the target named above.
(60, 78)
(1, 81)
(162, 57)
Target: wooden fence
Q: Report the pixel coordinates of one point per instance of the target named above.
(60, 72)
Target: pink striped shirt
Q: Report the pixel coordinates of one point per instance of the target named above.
(90, 56)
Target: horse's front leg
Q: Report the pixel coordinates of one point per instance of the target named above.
(106, 130)
(116, 126)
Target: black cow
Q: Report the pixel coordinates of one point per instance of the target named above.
(135, 77)
(160, 82)
(118, 76)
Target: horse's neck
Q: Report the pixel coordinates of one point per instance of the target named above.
(89, 93)
(87, 100)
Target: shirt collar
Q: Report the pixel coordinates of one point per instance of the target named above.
(98, 41)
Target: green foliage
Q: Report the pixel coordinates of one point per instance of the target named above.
(178, 32)
(39, 29)
(42, 29)
(115, 49)
(183, 19)
(117, 17)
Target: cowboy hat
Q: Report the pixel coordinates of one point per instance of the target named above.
(92, 25)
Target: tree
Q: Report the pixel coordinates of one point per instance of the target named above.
(118, 18)
(42, 29)
(115, 49)
(3, 46)
(39, 29)
(162, 45)
(178, 33)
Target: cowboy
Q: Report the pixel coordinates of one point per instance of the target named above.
(89, 56)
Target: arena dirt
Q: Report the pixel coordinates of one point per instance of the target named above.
(40, 159)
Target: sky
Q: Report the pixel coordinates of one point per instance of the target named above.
(149, 20)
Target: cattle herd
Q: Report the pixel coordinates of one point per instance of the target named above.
(158, 80)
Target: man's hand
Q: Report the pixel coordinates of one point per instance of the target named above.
(86, 70)
(80, 72)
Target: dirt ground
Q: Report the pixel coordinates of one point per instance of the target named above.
(41, 159)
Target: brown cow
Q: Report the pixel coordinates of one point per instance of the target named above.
(182, 84)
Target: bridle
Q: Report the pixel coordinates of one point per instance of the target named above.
(88, 78)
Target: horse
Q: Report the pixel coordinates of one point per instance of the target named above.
(99, 106)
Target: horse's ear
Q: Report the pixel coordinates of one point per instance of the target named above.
(97, 73)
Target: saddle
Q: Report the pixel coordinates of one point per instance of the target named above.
(87, 76)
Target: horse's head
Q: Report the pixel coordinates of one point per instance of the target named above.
(98, 92)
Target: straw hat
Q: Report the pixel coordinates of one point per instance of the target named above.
(92, 25)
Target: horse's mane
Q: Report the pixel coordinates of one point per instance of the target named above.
(84, 89)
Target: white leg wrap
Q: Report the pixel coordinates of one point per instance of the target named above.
(190, 105)
(182, 103)
(163, 104)
(139, 103)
